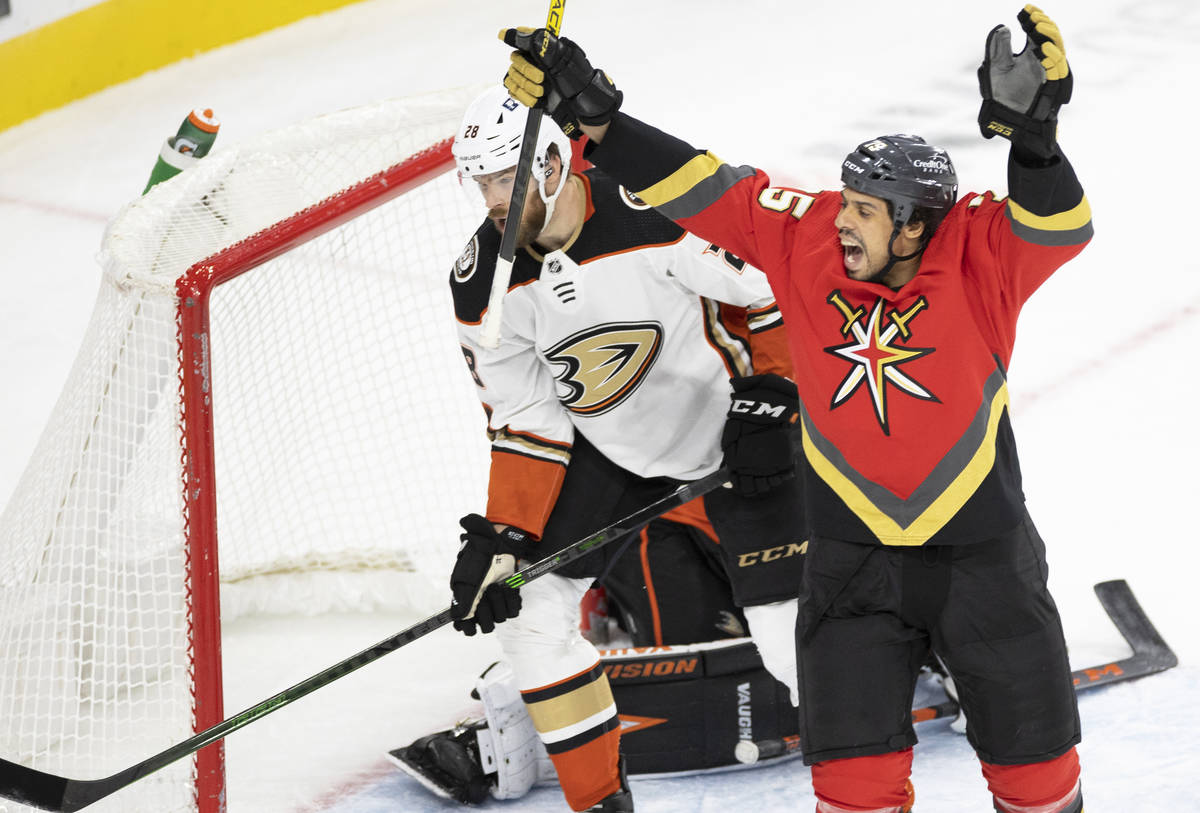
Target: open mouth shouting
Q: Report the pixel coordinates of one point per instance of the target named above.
(853, 255)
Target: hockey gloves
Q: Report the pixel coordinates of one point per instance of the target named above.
(481, 599)
(757, 436)
(1023, 92)
(553, 73)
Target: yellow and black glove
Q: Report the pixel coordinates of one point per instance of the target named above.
(553, 73)
(1023, 92)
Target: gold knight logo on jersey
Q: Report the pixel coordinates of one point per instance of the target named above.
(873, 355)
(602, 366)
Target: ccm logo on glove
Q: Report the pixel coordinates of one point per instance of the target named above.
(742, 406)
(756, 439)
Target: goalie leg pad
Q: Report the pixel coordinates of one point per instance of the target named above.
(509, 745)
(686, 708)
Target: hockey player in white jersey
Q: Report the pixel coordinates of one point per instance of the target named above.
(619, 374)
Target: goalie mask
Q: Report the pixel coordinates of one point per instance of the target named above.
(489, 141)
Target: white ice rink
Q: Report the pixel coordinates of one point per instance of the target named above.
(1104, 381)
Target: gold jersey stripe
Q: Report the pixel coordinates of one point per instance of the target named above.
(940, 510)
(681, 180)
(1070, 220)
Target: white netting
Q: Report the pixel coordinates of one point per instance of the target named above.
(347, 441)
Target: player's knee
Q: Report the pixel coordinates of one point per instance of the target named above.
(872, 784)
(1051, 786)
(543, 643)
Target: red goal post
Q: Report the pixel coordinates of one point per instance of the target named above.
(269, 412)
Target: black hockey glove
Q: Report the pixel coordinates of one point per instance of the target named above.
(757, 436)
(481, 599)
(1023, 92)
(553, 73)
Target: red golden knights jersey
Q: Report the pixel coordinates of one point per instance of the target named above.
(904, 398)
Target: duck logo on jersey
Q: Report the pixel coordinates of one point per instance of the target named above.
(874, 357)
(464, 266)
(602, 366)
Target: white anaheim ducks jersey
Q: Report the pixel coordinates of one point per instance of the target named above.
(619, 336)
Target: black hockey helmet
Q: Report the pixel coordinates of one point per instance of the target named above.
(906, 172)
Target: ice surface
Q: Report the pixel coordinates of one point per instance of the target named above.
(1103, 382)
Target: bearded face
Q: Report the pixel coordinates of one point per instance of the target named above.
(533, 218)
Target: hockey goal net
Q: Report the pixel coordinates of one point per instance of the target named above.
(271, 362)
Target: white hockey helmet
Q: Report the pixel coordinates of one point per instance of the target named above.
(489, 140)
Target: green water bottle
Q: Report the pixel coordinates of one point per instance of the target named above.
(193, 141)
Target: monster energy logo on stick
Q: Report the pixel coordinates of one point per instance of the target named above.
(550, 563)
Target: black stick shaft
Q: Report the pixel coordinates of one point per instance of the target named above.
(490, 335)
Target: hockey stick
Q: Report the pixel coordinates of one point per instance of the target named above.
(490, 328)
(49, 792)
(1151, 654)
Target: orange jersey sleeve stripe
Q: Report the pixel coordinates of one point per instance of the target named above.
(770, 354)
(522, 490)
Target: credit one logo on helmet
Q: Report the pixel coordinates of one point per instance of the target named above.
(938, 165)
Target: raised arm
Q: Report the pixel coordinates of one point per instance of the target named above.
(1022, 94)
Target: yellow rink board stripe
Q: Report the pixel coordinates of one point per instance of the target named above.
(119, 39)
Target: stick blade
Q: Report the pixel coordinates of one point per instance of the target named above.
(1134, 625)
(32, 787)
(49, 792)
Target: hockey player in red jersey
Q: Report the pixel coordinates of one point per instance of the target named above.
(901, 303)
(618, 375)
